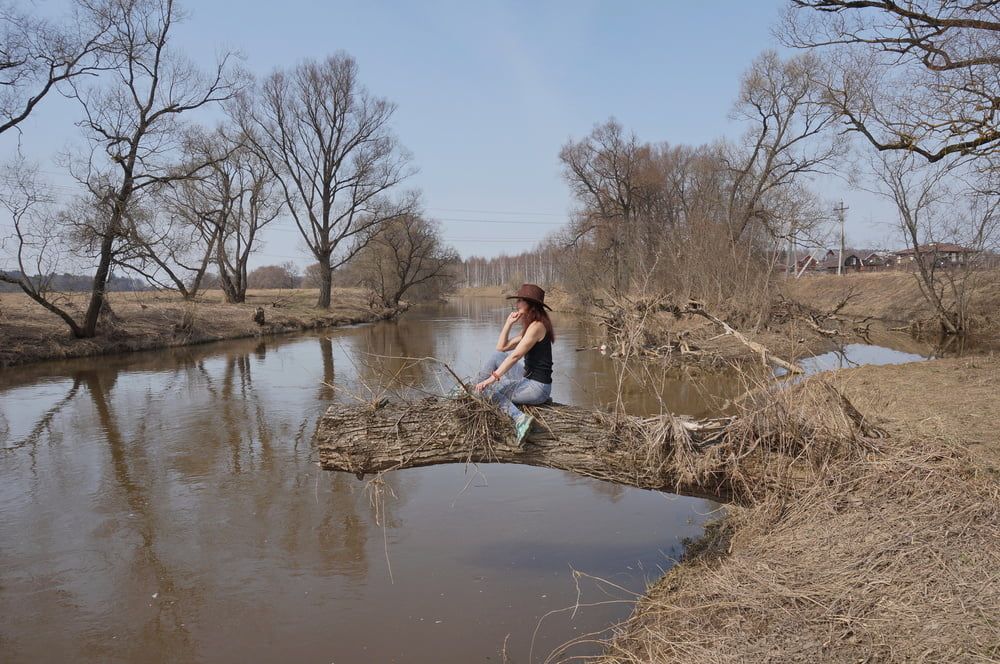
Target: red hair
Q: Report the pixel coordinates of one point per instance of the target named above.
(536, 312)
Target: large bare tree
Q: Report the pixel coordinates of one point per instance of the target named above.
(919, 76)
(605, 173)
(37, 54)
(788, 137)
(132, 121)
(328, 141)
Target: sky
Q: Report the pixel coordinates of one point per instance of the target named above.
(488, 92)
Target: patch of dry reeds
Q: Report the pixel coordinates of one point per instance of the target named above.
(486, 427)
(890, 558)
(776, 441)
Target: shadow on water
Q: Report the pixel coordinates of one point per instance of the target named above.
(166, 506)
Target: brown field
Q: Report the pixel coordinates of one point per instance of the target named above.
(148, 320)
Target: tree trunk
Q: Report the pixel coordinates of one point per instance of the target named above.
(98, 288)
(372, 438)
(202, 269)
(325, 284)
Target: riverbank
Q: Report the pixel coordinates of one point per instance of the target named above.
(151, 320)
(894, 297)
(893, 557)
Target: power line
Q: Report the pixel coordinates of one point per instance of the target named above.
(526, 214)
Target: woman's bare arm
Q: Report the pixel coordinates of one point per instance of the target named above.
(512, 343)
(503, 343)
(531, 336)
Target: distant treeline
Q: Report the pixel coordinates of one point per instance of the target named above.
(73, 283)
(539, 266)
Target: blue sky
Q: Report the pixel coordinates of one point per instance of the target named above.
(488, 92)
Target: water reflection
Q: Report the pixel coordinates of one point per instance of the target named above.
(856, 355)
(166, 506)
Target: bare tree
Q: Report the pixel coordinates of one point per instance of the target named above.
(327, 140)
(788, 137)
(940, 210)
(919, 76)
(132, 121)
(37, 245)
(252, 202)
(170, 245)
(216, 216)
(36, 55)
(405, 254)
(604, 173)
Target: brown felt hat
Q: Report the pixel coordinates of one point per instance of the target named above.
(532, 293)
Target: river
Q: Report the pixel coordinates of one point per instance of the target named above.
(167, 507)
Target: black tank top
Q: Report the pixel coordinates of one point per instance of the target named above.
(538, 362)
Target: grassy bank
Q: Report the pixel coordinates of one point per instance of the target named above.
(893, 556)
(150, 320)
(890, 296)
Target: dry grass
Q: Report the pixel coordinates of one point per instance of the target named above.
(486, 426)
(891, 296)
(895, 561)
(887, 554)
(148, 320)
(954, 401)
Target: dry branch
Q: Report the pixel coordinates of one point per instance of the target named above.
(767, 357)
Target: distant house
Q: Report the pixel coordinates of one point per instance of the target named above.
(944, 254)
(808, 261)
(855, 260)
(875, 260)
(852, 261)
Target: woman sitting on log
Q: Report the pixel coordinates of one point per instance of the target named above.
(504, 377)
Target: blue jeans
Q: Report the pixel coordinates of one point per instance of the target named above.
(513, 387)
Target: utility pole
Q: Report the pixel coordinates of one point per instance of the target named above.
(839, 209)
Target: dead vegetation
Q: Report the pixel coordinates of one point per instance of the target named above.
(886, 555)
(772, 332)
(774, 438)
(149, 320)
(894, 298)
(891, 558)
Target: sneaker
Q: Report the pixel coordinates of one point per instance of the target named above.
(522, 426)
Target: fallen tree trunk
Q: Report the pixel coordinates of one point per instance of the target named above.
(766, 356)
(780, 440)
(385, 435)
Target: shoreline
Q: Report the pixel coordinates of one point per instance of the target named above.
(812, 578)
(150, 321)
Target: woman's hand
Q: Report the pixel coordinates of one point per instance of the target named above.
(513, 317)
(486, 383)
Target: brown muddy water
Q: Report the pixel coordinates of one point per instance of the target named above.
(167, 507)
